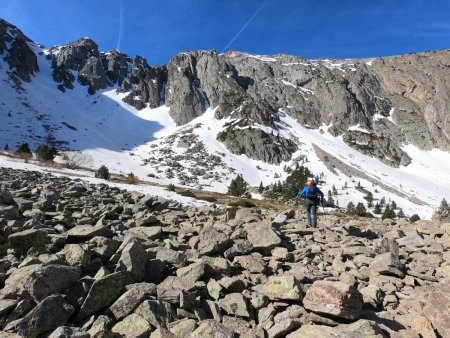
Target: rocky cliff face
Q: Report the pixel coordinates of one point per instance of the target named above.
(377, 105)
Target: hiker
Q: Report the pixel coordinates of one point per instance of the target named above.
(313, 197)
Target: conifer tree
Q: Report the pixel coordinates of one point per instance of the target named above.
(238, 186)
(414, 218)
(360, 209)
(261, 188)
(443, 212)
(351, 208)
(377, 209)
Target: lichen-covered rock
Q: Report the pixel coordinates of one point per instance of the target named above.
(133, 326)
(102, 293)
(234, 304)
(52, 312)
(262, 237)
(283, 288)
(24, 240)
(212, 328)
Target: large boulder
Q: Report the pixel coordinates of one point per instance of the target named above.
(52, 312)
(86, 231)
(24, 240)
(212, 328)
(262, 237)
(212, 241)
(334, 298)
(388, 264)
(235, 304)
(132, 326)
(52, 279)
(133, 260)
(102, 293)
(131, 299)
(283, 288)
(437, 309)
(156, 312)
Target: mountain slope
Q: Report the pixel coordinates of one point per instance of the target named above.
(203, 118)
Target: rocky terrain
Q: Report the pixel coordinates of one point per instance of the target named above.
(82, 260)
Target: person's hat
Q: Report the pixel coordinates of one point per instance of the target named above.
(310, 179)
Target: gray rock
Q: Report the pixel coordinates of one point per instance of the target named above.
(133, 326)
(411, 241)
(212, 328)
(283, 288)
(212, 241)
(235, 304)
(262, 237)
(156, 312)
(133, 260)
(172, 257)
(24, 240)
(131, 299)
(387, 264)
(85, 231)
(68, 332)
(102, 293)
(51, 279)
(52, 312)
(279, 220)
(183, 327)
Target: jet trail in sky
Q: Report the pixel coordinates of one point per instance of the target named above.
(120, 25)
(246, 25)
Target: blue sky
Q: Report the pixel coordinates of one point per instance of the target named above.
(159, 29)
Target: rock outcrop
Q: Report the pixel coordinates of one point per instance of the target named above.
(250, 273)
(376, 105)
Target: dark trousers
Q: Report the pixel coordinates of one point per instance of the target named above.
(311, 208)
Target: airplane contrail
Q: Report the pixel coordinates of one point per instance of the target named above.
(120, 25)
(246, 25)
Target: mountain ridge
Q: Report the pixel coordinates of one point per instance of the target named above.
(222, 114)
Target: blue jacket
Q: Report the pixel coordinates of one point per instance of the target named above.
(313, 189)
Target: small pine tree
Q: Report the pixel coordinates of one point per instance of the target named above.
(377, 209)
(330, 201)
(171, 187)
(443, 212)
(382, 201)
(102, 172)
(334, 191)
(45, 152)
(261, 188)
(393, 205)
(351, 208)
(238, 186)
(360, 209)
(414, 218)
(400, 214)
(23, 148)
(369, 197)
(388, 213)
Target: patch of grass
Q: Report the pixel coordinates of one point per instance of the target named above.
(187, 193)
(242, 204)
(211, 199)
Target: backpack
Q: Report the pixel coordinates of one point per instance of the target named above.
(313, 194)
